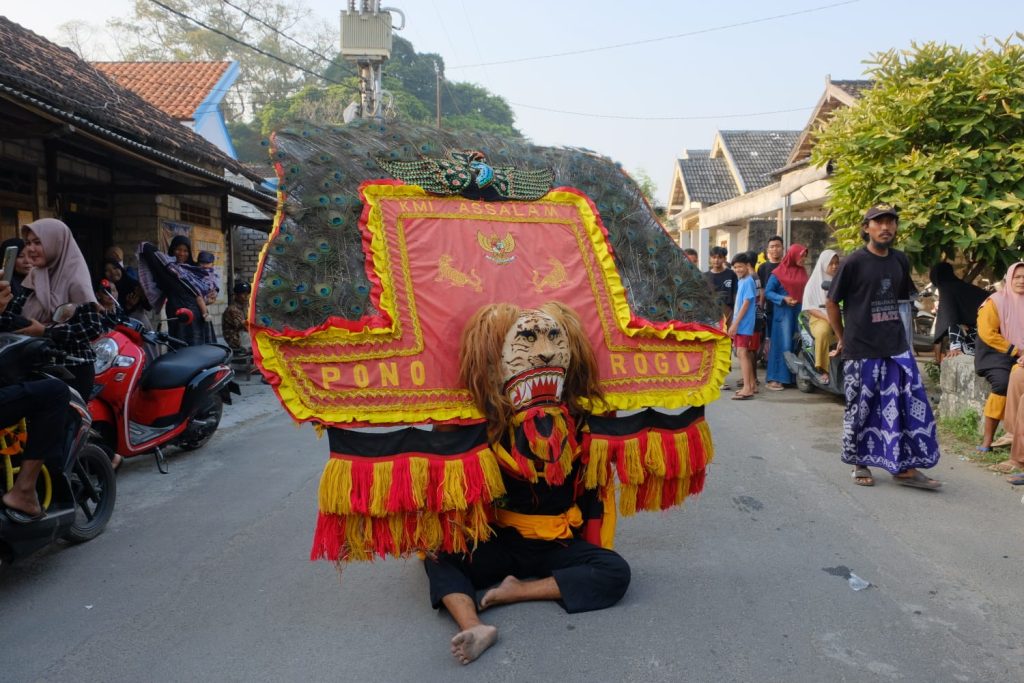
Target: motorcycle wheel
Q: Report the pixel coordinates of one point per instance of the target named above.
(804, 384)
(203, 424)
(94, 486)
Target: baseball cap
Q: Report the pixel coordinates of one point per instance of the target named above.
(881, 210)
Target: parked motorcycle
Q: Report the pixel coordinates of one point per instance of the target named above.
(142, 405)
(77, 487)
(801, 363)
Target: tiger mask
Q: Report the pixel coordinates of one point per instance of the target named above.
(506, 349)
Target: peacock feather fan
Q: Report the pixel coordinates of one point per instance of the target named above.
(315, 267)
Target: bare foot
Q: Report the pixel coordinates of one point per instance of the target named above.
(469, 644)
(499, 594)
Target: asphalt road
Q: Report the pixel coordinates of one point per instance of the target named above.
(203, 575)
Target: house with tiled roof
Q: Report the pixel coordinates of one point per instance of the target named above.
(190, 92)
(79, 146)
(740, 162)
(770, 188)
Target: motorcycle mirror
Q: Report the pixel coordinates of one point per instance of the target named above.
(184, 316)
(826, 285)
(64, 313)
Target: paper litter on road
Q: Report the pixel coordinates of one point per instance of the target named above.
(857, 583)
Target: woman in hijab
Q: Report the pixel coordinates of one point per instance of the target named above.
(130, 296)
(957, 314)
(999, 358)
(785, 290)
(21, 265)
(59, 276)
(814, 303)
(182, 295)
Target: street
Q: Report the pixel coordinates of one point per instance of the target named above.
(203, 574)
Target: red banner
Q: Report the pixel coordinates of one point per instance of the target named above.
(433, 262)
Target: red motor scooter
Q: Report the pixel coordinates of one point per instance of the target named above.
(141, 404)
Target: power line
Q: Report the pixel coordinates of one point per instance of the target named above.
(233, 39)
(660, 118)
(287, 37)
(615, 46)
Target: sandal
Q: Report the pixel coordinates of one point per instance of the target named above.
(774, 386)
(1004, 440)
(1016, 479)
(1006, 467)
(862, 476)
(983, 449)
(918, 481)
(742, 397)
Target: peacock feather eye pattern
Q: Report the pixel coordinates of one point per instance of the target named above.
(318, 246)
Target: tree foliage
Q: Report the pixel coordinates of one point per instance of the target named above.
(153, 33)
(268, 92)
(941, 136)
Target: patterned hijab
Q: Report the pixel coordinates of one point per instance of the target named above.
(814, 295)
(793, 277)
(64, 279)
(1011, 309)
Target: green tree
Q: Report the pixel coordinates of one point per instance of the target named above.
(649, 189)
(153, 33)
(941, 136)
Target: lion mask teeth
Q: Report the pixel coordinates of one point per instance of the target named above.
(536, 386)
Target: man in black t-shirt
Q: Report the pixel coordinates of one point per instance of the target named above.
(888, 421)
(722, 281)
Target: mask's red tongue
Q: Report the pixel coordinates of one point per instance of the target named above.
(536, 387)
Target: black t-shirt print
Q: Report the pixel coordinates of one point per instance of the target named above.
(723, 284)
(870, 287)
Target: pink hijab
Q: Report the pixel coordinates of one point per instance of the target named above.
(65, 279)
(1011, 309)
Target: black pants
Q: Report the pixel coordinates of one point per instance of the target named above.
(998, 378)
(589, 577)
(44, 405)
(84, 378)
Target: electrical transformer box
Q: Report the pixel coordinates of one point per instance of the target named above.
(365, 34)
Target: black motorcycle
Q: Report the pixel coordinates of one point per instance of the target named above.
(77, 486)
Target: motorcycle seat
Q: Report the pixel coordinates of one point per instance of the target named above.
(176, 368)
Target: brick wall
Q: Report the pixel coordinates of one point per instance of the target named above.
(246, 247)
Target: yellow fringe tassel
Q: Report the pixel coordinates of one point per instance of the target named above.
(634, 466)
(419, 473)
(596, 473)
(380, 488)
(683, 449)
(336, 487)
(454, 493)
(627, 499)
(705, 439)
(655, 461)
(492, 473)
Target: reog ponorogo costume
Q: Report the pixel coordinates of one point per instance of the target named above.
(389, 242)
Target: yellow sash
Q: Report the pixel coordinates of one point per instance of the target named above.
(541, 527)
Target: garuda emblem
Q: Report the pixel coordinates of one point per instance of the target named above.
(469, 171)
(498, 249)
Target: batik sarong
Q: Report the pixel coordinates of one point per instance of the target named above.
(888, 421)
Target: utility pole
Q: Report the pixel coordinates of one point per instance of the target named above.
(437, 92)
(366, 43)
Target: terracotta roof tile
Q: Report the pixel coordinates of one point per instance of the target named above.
(57, 77)
(177, 88)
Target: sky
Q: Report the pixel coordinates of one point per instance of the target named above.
(694, 67)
